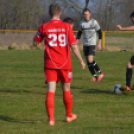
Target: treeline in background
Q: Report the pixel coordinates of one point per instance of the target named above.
(29, 14)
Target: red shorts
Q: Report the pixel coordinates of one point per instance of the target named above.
(58, 75)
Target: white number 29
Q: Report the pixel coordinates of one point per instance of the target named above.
(61, 39)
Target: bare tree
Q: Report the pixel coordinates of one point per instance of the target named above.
(86, 3)
(18, 14)
(28, 14)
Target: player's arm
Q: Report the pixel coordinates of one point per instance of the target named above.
(76, 52)
(78, 36)
(100, 39)
(131, 28)
(98, 30)
(38, 37)
(72, 42)
(79, 33)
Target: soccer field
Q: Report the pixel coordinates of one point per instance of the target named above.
(22, 96)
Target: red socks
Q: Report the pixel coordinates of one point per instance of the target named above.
(50, 105)
(68, 102)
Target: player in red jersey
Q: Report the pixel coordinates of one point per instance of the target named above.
(59, 38)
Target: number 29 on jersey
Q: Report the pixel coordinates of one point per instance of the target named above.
(57, 39)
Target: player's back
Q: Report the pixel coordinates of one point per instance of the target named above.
(57, 52)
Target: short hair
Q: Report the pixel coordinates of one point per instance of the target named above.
(54, 9)
(43, 21)
(86, 10)
(68, 20)
(132, 15)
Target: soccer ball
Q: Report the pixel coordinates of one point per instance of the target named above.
(116, 89)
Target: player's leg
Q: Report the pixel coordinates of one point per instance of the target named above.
(94, 63)
(51, 87)
(51, 78)
(65, 76)
(67, 98)
(68, 102)
(129, 72)
(100, 74)
(96, 67)
(89, 59)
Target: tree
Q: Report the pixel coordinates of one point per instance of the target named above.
(20, 14)
(28, 14)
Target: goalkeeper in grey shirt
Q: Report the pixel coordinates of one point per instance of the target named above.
(89, 27)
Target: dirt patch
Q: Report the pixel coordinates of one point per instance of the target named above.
(111, 48)
(80, 47)
(3, 47)
(119, 40)
(116, 48)
(14, 46)
(108, 48)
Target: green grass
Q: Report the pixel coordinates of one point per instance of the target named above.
(23, 92)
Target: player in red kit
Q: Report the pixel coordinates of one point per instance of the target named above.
(59, 38)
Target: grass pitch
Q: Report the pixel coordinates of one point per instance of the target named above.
(22, 96)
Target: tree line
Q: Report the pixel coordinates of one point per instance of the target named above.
(29, 14)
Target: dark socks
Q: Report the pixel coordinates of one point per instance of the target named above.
(129, 76)
(96, 67)
(91, 69)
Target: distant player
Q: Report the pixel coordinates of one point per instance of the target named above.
(59, 38)
(43, 22)
(130, 64)
(70, 21)
(89, 27)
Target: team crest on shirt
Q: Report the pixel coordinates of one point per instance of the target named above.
(70, 74)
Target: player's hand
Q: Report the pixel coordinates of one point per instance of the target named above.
(35, 43)
(99, 47)
(119, 27)
(83, 65)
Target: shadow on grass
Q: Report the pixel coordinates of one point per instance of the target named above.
(10, 119)
(82, 90)
(72, 87)
(96, 91)
(6, 118)
(20, 91)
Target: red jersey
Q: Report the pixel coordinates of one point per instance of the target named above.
(58, 37)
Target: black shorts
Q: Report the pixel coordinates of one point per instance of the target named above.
(132, 60)
(89, 50)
